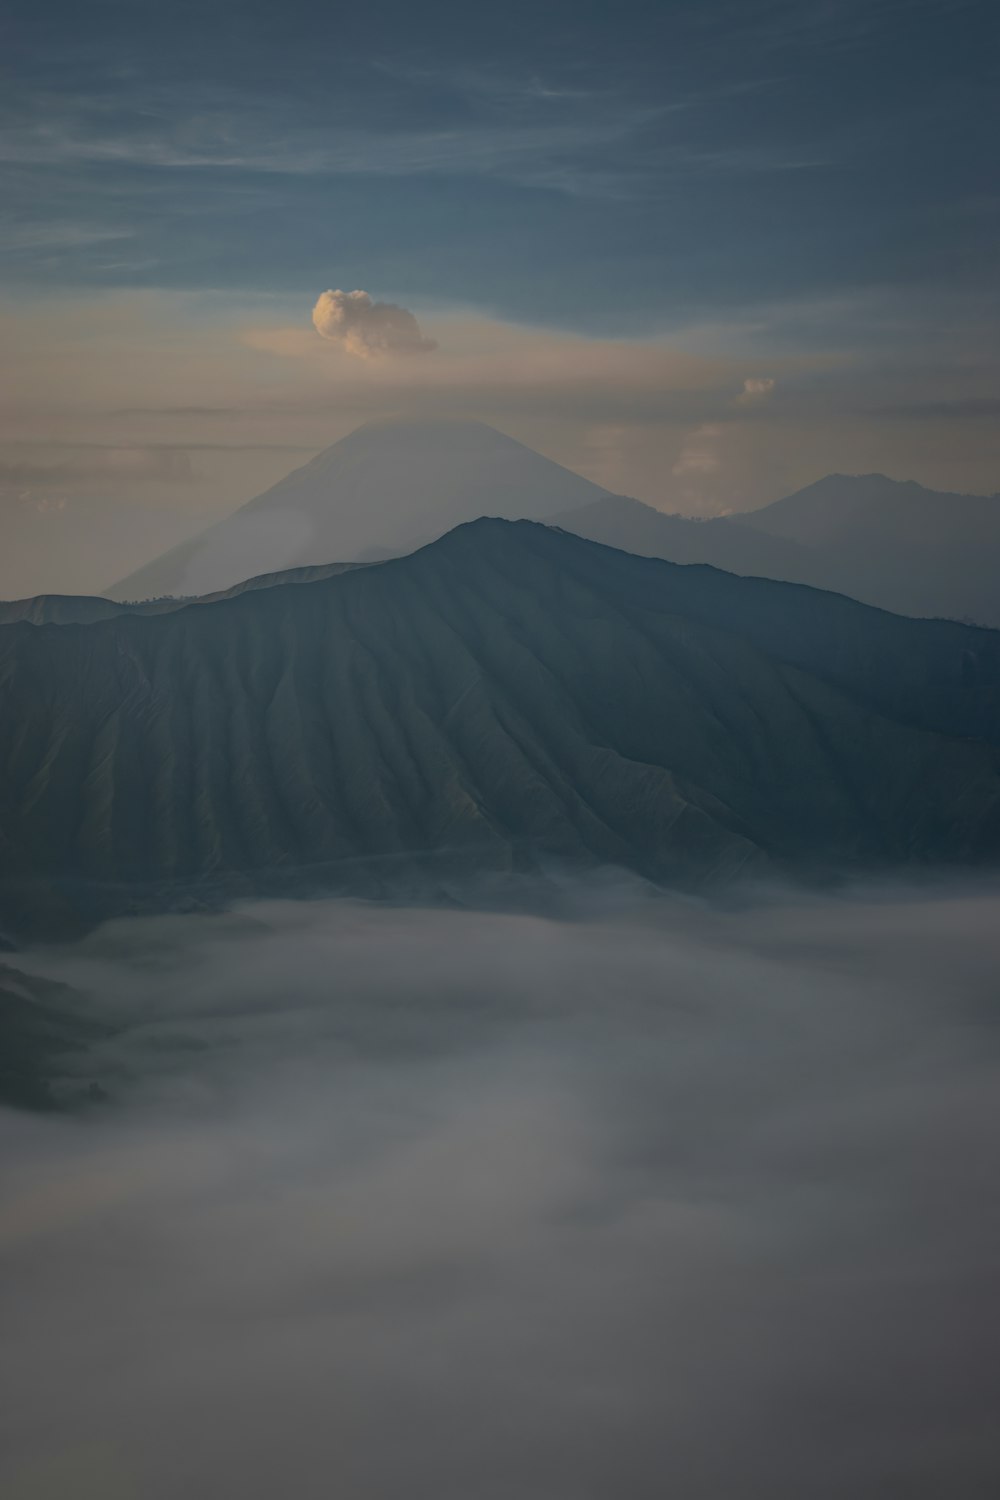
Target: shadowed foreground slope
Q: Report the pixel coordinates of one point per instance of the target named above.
(44, 1043)
(507, 694)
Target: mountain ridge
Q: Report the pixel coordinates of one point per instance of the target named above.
(507, 694)
(87, 609)
(889, 543)
(392, 485)
(818, 510)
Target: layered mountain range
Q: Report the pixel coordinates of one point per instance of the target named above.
(886, 542)
(389, 487)
(506, 698)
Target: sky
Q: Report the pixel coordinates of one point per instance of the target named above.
(702, 252)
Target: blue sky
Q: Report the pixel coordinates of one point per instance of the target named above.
(607, 217)
(613, 168)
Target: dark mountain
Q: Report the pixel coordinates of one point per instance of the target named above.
(384, 489)
(888, 543)
(44, 1040)
(509, 694)
(86, 609)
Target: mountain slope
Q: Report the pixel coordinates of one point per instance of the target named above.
(836, 506)
(892, 544)
(43, 1042)
(914, 550)
(386, 487)
(87, 609)
(721, 542)
(508, 693)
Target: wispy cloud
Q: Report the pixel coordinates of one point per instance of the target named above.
(575, 142)
(161, 464)
(56, 234)
(267, 135)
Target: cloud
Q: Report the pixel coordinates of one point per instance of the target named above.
(531, 369)
(158, 465)
(699, 454)
(967, 406)
(618, 1181)
(368, 329)
(756, 388)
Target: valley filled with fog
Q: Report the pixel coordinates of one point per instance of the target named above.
(642, 1195)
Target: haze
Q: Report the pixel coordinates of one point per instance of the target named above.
(703, 255)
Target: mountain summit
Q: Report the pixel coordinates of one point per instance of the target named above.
(509, 694)
(385, 488)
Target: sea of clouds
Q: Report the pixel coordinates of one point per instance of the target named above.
(643, 1197)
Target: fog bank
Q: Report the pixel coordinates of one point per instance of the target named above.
(650, 1198)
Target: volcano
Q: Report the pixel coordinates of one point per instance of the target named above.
(386, 488)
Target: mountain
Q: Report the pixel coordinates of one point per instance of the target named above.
(508, 695)
(391, 486)
(384, 489)
(631, 526)
(910, 549)
(886, 542)
(43, 1043)
(87, 609)
(838, 505)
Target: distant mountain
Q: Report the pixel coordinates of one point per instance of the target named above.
(391, 486)
(510, 694)
(837, 505)
(897, 544)
(631, 526)
(87, 609)
(889, 543)
(384, 489)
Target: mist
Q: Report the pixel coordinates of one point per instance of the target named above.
(647, 1196)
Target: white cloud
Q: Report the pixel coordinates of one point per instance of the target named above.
(756, 388)
(366, 328)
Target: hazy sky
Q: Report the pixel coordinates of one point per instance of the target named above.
(607, 218)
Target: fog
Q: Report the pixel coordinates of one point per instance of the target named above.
(644, 1197)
